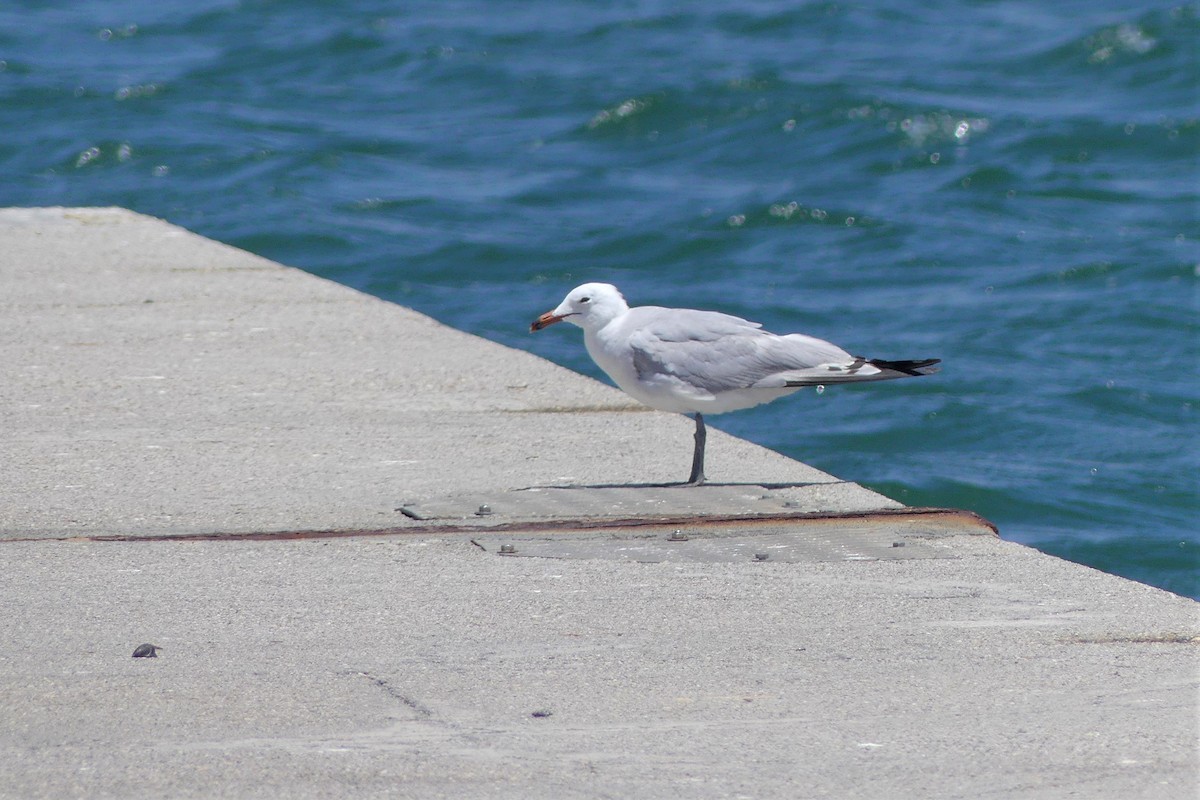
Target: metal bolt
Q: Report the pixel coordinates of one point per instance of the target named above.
(762, 556)
(508, 549)
(484, 511)
(677, 536)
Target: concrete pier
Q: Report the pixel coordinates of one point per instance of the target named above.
(385, 558)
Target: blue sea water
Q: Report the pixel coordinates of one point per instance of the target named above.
(1010, 186)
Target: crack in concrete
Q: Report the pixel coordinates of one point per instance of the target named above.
(395, 693)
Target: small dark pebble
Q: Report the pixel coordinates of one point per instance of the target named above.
(540, 713)
(146, 651)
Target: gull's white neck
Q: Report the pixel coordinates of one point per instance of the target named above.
(608, 345)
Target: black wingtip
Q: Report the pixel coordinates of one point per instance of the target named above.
(926, 366)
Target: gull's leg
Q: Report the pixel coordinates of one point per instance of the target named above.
(697, 476)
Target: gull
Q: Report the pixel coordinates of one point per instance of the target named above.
(705, 362)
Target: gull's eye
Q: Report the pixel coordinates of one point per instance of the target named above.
(585, 300)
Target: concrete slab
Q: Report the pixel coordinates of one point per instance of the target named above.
(247, 399)
(425, 667)
(157, 381)
(599, 502)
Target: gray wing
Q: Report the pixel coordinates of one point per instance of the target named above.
(718, 353)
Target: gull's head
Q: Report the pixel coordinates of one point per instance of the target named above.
(590, 306)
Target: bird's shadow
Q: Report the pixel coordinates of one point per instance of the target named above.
(679, 485)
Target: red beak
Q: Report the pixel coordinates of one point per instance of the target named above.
(549, 318)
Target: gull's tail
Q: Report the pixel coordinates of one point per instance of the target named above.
(926, 366)
(861, 369)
